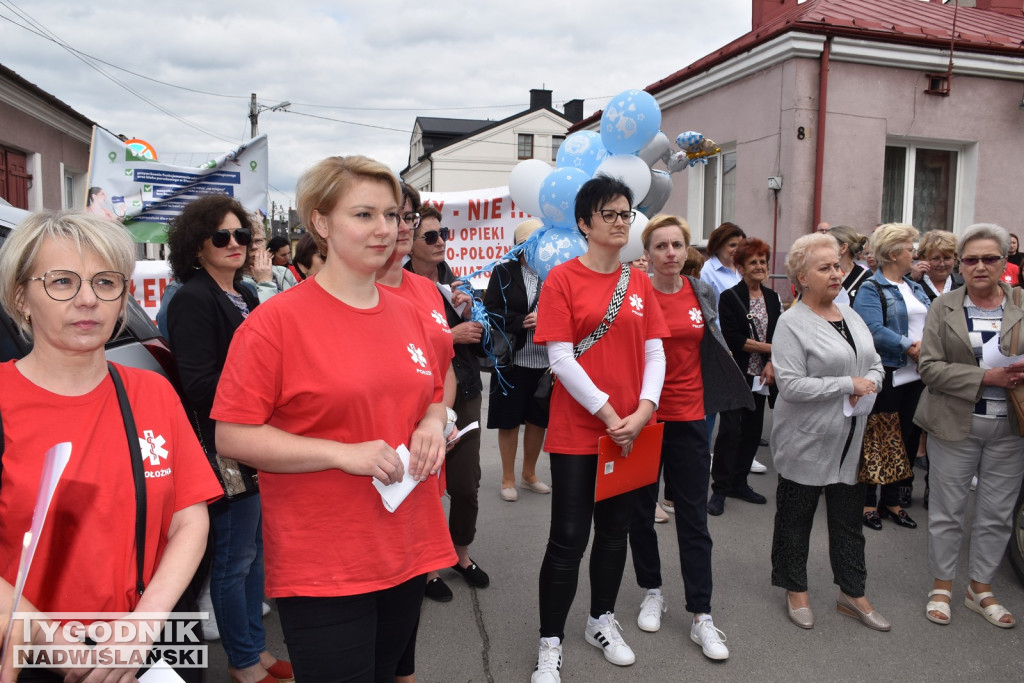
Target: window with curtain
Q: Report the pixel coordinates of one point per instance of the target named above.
(919, 186)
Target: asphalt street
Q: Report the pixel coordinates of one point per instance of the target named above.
(492, 634)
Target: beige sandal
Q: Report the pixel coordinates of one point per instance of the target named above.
(993, 613)
(938, 606)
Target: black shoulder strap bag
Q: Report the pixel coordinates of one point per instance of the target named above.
(138, 476)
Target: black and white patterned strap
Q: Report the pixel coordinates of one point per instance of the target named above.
(618, 296)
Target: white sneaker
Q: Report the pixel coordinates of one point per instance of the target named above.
(549, 662)
(205, 604)
(651, 610)
(974, 483)
(710, 639)
(605, 633)
(266, 609)
(757, 468)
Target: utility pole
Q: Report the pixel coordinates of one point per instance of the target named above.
(254, 117)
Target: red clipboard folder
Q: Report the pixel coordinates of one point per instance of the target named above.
(616, 474)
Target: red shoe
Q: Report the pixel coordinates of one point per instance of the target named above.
(281, 671)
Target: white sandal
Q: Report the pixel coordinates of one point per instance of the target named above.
(992, 613)
(938, 606)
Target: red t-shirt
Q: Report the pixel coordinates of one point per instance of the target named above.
(85, 560)
(682, 397)
(356, 375)
(1010, 274)
(573, 301)
(429, 300)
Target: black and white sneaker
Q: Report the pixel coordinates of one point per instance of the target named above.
(549, 662)
(605, 633)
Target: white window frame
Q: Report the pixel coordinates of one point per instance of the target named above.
(966, 170)
(697, 178)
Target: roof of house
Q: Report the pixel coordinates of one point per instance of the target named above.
(443, 131)
(908, 22)
(45, 96)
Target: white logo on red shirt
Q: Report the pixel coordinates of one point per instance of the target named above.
(636, 302)
(696, 316)
(417, 355)
(153, 448)
(440, 320)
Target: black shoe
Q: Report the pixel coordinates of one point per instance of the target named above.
(438, 590)
(716, 505)
(926, 496)
(872, 520)
(748, 494)
(763, 443)
(905, 496)
(901, 518)
(473, 575)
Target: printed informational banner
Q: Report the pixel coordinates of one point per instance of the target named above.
(482, 223)
(146, 195)
(148, 284)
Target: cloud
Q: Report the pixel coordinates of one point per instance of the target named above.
(382, 63)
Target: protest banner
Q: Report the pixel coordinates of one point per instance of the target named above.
(482, 223)
(148, 284)
(146, 194)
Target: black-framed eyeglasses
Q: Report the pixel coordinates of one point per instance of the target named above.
(412, 218)
(222, 238)
(609, 216)
(430, 236)
(987, 260)
(63, 285)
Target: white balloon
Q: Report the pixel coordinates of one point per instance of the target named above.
(654, 150)
(634, 248)
(524, 184)
(630, 170)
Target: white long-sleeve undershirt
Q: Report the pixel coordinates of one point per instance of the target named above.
(583, 389)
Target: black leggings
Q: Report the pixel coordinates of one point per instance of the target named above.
(353, 637)
(572, 508)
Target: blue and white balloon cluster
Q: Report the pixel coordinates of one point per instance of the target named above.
(628, 146)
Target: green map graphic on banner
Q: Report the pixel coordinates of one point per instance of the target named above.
(146, 195)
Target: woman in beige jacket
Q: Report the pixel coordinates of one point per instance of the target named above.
(972, 425)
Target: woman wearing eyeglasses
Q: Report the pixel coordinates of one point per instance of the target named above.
(894, 308)
(209, 245)
(325, 420)
(972, 429)
(63, 281)
(938, 250)
(611, 389)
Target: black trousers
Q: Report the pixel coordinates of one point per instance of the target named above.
(573, 478)
(794, 515)
(902, 400)
(353, 637)
(462, 472)
(685, 460)
(739, 437)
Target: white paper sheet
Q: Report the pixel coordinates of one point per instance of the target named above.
(54, 462)
(863, 407)
(905, 375)
(446, 291)
(759, 387)
(993, 357)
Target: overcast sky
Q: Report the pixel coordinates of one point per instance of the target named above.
(372, 65)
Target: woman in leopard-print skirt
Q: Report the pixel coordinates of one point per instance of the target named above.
(823, 359)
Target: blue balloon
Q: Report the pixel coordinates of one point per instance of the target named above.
(558, 196)
(554, 247)
(630, 121)
(583, 150)
(688, 139)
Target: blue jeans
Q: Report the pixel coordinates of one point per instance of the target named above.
(236, 578)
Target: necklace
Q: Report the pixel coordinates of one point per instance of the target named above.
(840, 327)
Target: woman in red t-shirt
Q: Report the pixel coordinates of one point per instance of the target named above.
(324, 418)
(688, 305)
(610, 390)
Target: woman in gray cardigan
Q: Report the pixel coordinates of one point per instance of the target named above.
(823, 358)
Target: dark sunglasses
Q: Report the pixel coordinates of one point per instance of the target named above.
(222, 238)
(987, 260)
(430, 236)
